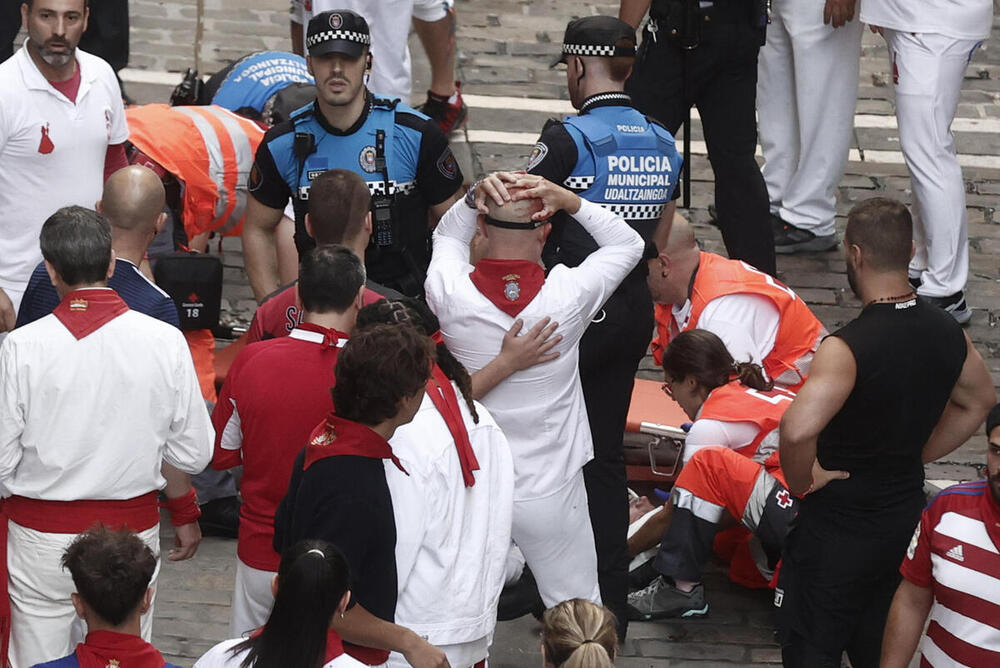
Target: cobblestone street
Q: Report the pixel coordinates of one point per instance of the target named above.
(504, 49)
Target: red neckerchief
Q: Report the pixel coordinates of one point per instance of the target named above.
(442, 394)
(331, 337)
(337, 436)
(86, 310)
(509, 284)
(107, 648)
(334, 645)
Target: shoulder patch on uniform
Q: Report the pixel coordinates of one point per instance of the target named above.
(549, 123)
(538, 154)
(446, 164)
(254, 181)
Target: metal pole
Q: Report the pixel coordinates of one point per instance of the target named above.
(198, 32)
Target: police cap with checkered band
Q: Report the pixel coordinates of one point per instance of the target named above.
(597, 36)
(338, 31)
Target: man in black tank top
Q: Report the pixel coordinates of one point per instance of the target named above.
(899, 386)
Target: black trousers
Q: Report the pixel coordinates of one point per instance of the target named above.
(836, 599)
(722, 83)
(106, 35)
(610, 352)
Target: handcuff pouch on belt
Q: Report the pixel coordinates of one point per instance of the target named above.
(677, 21)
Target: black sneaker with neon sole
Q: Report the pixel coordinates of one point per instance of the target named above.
(660, 600)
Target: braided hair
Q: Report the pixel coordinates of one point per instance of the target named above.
(417, 314)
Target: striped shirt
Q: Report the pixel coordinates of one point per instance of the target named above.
(140, 293)
(956, 551)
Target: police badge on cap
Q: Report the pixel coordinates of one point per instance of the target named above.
(338, 31)
(597, 36)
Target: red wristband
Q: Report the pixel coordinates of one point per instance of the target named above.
(183, 509)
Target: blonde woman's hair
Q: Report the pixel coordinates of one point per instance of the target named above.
(579, 634)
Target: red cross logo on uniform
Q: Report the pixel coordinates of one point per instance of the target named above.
(784, 499)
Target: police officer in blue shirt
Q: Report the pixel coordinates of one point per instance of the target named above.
(615, 156)
(257, 83)
(403, 155)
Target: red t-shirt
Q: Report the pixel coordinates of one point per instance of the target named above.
(956, 551)
(276, 392)
(278, 315)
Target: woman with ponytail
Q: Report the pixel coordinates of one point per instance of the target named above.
(310, 590)
(732, 403)
(453, 510)
(578, 634)
(731, 475)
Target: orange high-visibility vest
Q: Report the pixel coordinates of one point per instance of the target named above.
(735, 402)
(210, 150)
(799, 331)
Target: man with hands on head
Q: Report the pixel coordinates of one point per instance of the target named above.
(540, 409)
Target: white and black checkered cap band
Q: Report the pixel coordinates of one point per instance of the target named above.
(346, 35)
(597, 50)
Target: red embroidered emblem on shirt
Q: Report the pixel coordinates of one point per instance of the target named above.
(46, 146)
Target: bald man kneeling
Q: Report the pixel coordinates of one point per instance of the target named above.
(132, 202)
(758, 318)
(540, 409)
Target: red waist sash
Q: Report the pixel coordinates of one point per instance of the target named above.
(138, 514)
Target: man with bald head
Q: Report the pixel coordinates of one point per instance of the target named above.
(756, 316)
(132, 203)
(540, 409)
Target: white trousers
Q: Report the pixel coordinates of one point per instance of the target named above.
(44, 625)
(389, 21)
(557, 540)
(807, 85)
(927, 75)
(252, 599)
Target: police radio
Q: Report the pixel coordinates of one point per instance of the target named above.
(382, 232)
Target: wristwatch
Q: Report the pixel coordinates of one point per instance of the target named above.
(470, 194)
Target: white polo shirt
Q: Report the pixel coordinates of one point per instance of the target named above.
(51, 154)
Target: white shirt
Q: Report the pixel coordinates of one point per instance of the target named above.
(94, 418)
(962, 19)
(746, 323)
(451, 540)
(707, 433)
(33, 185)
(220, 657)
(540, 409)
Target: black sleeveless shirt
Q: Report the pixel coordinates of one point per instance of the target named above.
(909, 356)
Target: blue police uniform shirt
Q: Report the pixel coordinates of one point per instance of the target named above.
(141, 294)
(422, 172)
(256, 78)
(612, 155)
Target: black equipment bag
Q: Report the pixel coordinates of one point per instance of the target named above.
(194, 282)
